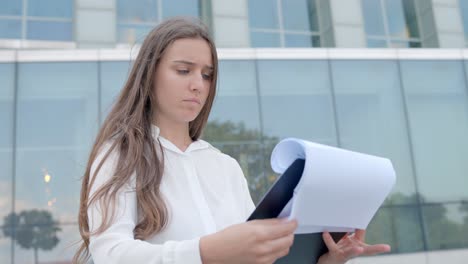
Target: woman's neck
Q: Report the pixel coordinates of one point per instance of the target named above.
(176, 133)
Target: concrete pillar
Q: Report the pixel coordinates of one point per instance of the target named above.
(95, 23)
(448, 23)
(230, 23)
(347, 23)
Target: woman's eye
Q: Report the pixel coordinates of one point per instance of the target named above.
(207, 76)
(182, 71)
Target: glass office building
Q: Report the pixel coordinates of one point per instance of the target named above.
(384, 77)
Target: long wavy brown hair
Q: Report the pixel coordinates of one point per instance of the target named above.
(127, 129)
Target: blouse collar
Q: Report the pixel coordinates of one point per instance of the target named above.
(196, 145)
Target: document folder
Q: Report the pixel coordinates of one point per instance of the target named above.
(307, 248)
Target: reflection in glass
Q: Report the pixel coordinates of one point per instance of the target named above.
(300, 15)
(180, 8)
(371, 116)
(56, 123)
(373, 17)
(464, 14)
(10, 28)
(437, 106)
(301, 40)
(296, 100)
(263, 14)
(113, 77)
(264, 39)
(61, 253)
(250, 158)
(236, 99)
(397, 226)
(132, 11)
(50, 8)
(11, 8)
(50, 30)
(446, 225)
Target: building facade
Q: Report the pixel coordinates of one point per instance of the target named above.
(384, 77)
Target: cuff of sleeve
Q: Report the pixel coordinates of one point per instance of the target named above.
(189, 250)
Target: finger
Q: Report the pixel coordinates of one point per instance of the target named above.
(279, 229)
(376, 249)
(360, 234)
(351, 251)
(329, 242)
(281, 245)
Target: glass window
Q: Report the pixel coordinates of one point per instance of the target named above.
(395, 21)
(300, 15)
(464, 15)
(56, 124)
(133, 33)
(373, 17)
(50, 30)
(10, 28)
(300, 40)
(236, 104)
(113, 77)
(396, 18)
(281, 23)
(265, 39)
(137, 11)
(437, 106)
(263, 14)
(400, 227)
(11, 8)
(7, 76)
(371, 116)
(446, 225)
(50, 8)
(50, 250)
(180, 8)
(296, 100)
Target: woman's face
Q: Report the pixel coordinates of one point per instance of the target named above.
(183, 80)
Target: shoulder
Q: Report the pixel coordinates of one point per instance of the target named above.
(229, 163)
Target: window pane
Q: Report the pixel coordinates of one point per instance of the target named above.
(373, 17)
(299, 40)
(131, 11)
(264, 39)
(133, 33)
(11, 7)
(396, 18)
(50, 8)
(296, 100)
(446, 225)
(45, 30)
(10, 28)
(113, 77)
(376, 43)
(229, 122)
(50, 252)
(438, 115)
(411, 17)
(263, 14)
(300, 15)
(464, 15)
(180, 8)
(399, 227)
(7, 76)
(250, 157)
(371, 116)
(56, 124)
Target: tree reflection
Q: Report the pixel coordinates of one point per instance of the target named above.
(34, 229)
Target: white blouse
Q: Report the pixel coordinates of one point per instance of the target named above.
(204, 190)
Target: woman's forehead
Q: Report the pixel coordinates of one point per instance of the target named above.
(192, 50)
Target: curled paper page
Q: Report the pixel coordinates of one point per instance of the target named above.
(339, 191)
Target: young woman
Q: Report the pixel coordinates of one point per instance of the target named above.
(154, 192)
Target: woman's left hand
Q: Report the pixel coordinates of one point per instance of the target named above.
(350, 246)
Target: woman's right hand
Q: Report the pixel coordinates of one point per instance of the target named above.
(257, 241)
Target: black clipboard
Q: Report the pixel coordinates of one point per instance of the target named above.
(307, 248)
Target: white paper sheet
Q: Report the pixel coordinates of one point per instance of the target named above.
(340, 190)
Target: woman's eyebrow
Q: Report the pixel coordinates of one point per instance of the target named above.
(192, 63)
